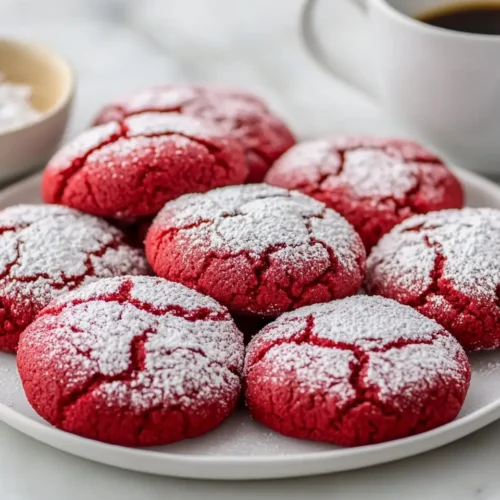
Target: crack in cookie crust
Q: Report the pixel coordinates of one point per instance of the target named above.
(356, 371)
(444, 264)
(374, 183)
(134, 361)
(49, 250)
(130, 169)
(257, 249)
(263, 136)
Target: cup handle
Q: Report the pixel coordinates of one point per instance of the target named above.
(338, 65)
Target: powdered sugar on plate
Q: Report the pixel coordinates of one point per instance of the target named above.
(10, 385)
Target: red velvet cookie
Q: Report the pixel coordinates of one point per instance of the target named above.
(354, 372)
(263, 136)
(258, 249)
(374, 183)
(132, 361)
(47, 250)
(446, 265)
(129, 169)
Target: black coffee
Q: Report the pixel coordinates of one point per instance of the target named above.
(468, 18)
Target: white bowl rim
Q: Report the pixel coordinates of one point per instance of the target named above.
(65, 97)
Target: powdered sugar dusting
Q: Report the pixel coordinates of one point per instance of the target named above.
(16, 109)
(369, 168)
(391, 177)
(127, 153)
(182, 377)
(122, 139)
(168, 98)
(361, 321)
(407, 371)
(171, 123)
(188, 361)
(312, 160)
(85, 142)
(392, 348)
(244, 117)
(157, 98)
(10, 385)
(48, 250)
(161, 293)
(316, 368)
(468, 239)
(97, 290)
(255, 218)
(148, 159)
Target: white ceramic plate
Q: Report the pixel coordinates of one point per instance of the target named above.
(241, 448)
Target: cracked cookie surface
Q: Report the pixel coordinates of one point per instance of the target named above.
(374, 183)
(353, 372)
(129, 169)
(445, 264)
(263, 136)
(136, 361)
(259, 250)
(48, 250)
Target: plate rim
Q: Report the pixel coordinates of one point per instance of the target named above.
(238, 467)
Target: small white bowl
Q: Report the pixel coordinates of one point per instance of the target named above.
(53, 86)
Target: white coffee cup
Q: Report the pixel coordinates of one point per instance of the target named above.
(443, 85)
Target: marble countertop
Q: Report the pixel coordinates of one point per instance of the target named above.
(118, 45)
